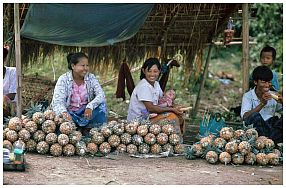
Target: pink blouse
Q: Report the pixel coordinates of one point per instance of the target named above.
(79, 97)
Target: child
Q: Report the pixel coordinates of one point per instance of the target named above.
(267, 58)
(166, 101)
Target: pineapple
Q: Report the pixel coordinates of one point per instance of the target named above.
(114, 140)
(174, 139)
(118, 129)
(273, 158)
(59, 120)
(231, 147)
(276, 151)
(24, 135)
(224, 157)
(237, 158)
(56, 150)
(63, 139)
(4, 132)
(259, 143)
(219, 143)
(150, 139)
(137, 139)
(42, 147)
(121, 148)
(38, 118)
(93, 131)
(75, 137)
(179, 149)
(7, 144)
(92, 148)
(31, 145)
(49, 115)
(69, 150)
(206, 141)
(144, 148)
(226, 133)
(12, 136)
(131, 149)
(97, 138)
(31, 126)
(25, 120)
(212, 157)
(198, 149)
(269, 144)
(244, 147)
(168, 147)
(250, 158)
(80, 148)
(155, 149)
(262, 159)
(238, 134)
(155, 129)
(51, 138)
(49, 126)
(168, 129)
(125, 138)
(131, 128)
(250, 133)
(105, 148)
(15, 124)
(142, 130)
(66, 128)
(162, 138)
(39, 136)
(112, 123)
(106, 132)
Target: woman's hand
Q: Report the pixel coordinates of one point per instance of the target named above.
(88, 113)
(177, 110)
(66, 116)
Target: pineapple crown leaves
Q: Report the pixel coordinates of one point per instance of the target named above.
(211, 148)
(6, 121)
(245, 127)
(189, 153)
(35, 107)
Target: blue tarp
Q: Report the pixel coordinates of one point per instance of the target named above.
(84, 25)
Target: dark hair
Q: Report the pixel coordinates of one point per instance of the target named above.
(269, 49)
(5, 53)
(262, 73)
(148, 64)
(73, 58)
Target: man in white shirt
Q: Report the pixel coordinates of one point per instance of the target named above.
(259, 106)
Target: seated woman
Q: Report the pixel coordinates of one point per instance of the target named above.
(145, 98)
(78, 95)
(9, 88)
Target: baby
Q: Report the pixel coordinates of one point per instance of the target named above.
(166, 101)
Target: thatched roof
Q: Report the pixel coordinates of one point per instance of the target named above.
(169, 29)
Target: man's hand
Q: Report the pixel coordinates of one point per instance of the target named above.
(265, 97)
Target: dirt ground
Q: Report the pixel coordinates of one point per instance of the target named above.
(125, 170)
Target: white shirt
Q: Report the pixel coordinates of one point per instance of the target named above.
(251, 101)
(10, 81)
(144, 91)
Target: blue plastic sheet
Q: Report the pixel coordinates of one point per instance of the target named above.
(84, 25)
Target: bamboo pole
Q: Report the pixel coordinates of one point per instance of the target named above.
(194, 113)
(245, 48)
(18, 59)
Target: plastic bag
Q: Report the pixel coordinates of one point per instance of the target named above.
(211, 124)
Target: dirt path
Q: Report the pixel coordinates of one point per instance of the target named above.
(122, 169)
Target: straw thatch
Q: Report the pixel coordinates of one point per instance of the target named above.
(169, 29)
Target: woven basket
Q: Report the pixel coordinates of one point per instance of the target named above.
(36, 89)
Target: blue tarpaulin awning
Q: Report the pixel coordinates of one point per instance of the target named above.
(84, 25)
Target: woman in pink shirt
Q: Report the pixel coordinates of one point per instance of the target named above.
(78, 95)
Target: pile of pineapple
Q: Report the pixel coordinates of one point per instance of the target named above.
(46, 133)
(242, 146)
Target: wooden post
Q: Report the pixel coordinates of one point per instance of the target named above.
(18, 59)
(194, 113)
(245, 48)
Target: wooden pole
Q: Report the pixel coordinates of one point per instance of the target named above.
(18, 58)
(245, 48)
(194, 113)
